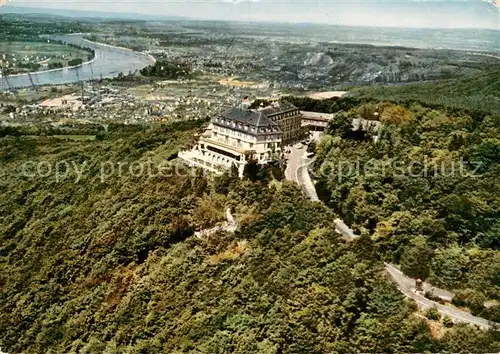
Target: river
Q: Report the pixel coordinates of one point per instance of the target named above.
(108, 62)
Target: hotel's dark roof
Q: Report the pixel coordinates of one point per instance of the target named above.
(245, 117)
(277, 108)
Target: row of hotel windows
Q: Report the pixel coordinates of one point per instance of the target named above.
(233, 124)
(285, 115)
(245, 127)
(292, 124)
(238, 143)
(234, 133)
(273, 146)
(226, 138)
(292, 128)
(243, 135)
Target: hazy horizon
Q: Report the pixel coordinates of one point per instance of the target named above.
(377, 13)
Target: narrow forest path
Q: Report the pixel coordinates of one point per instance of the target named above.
(230, 225)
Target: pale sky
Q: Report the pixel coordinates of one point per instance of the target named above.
(400, 13)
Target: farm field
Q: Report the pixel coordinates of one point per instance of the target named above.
(22, 57)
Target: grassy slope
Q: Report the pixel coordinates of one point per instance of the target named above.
(480, 92)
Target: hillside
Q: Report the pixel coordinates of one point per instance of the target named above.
(478, 92)
(107, 262)
(426, 193)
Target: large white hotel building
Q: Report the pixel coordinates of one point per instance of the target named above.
(240, 134)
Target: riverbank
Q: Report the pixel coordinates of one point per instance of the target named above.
(27, 56)
(108, 61)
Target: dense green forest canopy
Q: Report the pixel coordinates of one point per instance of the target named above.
(113, 264)
(427, 193)
(169, 69)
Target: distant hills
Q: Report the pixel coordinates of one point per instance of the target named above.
(475, 92)
(378, 13)
(87, 14)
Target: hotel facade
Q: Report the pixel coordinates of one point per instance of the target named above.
(235, 137)
(289, 119)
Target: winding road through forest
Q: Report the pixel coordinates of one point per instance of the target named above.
(298, 172)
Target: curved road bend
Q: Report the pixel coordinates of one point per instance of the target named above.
(298, 172)
(405, 285)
